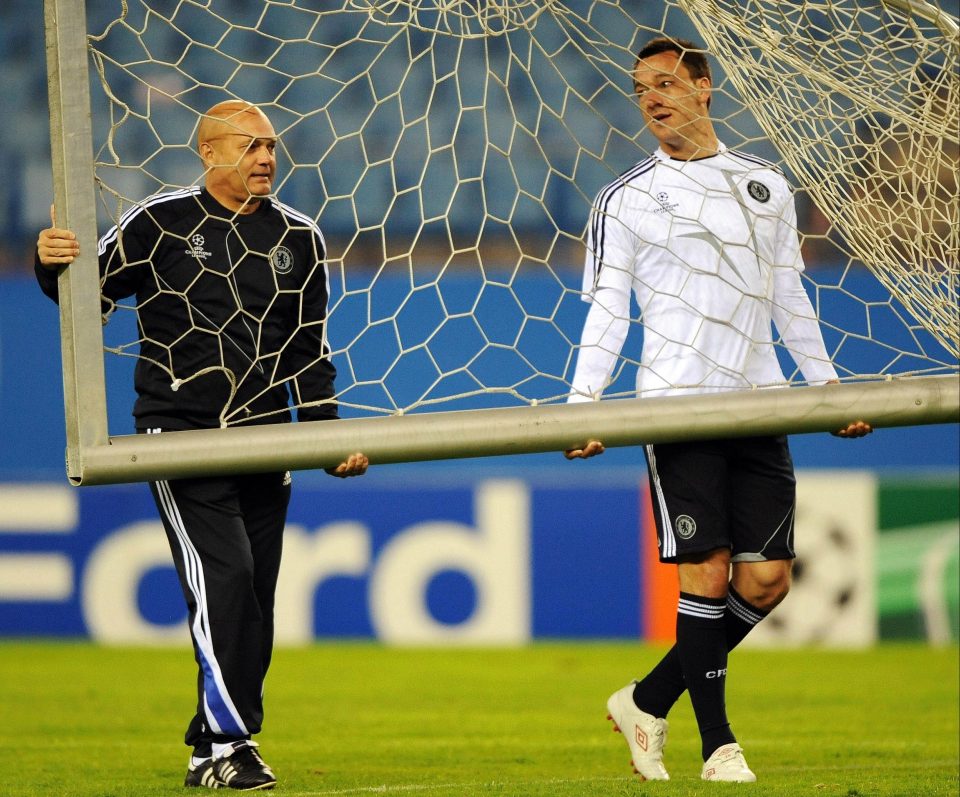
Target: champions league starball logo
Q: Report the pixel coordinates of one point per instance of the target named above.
(195, 247)
(666, 206)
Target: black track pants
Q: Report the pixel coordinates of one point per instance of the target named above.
(226, 536)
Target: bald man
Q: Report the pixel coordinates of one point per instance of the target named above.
(231, 295)
(236, 143)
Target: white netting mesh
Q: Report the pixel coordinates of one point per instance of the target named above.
(863, 101)
(450, 152)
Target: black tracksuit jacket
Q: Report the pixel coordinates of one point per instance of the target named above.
(230, 310)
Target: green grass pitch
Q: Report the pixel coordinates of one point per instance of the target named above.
(361, 719)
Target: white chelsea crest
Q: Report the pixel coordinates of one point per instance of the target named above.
(685, 527)
(281, 259)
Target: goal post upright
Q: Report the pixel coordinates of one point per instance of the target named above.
(71, 141)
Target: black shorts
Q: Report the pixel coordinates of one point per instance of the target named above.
(738, 494)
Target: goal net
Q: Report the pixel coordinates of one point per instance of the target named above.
(863, 102)
(450, 153)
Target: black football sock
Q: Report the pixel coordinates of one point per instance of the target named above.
(702, 647)
(741, 618)
(663, 686)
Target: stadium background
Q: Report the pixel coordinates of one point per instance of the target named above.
(497, 550)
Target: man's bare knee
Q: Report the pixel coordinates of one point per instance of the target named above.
(706, 574)
(763, 584)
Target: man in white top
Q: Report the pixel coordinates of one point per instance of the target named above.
(706, 240)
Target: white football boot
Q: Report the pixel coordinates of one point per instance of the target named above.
(645, 734)
(728, 764)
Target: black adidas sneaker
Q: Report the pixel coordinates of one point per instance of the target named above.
(242, 768)
(202, 775)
